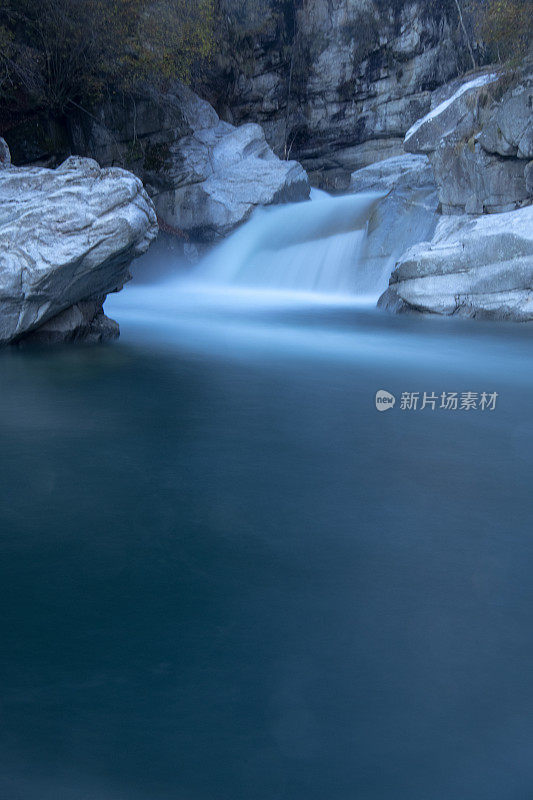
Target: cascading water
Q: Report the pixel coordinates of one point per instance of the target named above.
(210, 528)
(303, 258)
(303, 247)
(310, 253)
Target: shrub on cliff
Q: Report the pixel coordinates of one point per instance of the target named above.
(502, 30)
(56, 52)
(507, 27)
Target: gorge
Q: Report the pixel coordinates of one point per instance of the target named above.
(334, 95)
(227, 572)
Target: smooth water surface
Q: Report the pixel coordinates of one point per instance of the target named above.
(226, 576)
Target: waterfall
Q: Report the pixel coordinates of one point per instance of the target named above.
(309, 254)
(313, 247)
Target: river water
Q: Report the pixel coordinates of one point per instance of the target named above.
(225, 575)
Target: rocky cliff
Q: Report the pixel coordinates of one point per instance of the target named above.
(479, 139)
(337, 84)
(204, 175)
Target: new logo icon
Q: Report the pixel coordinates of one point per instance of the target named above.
(385, 400)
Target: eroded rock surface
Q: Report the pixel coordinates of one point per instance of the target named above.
(480, 142)
(338, 84)
(219, 175)
(406, 214)
(474, 267)
(204, 175)
(67, 238)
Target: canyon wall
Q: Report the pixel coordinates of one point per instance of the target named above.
(336, 84)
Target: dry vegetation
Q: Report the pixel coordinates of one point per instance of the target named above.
(56, 52)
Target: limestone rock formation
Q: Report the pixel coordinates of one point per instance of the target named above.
(474, 267)
(67, 238)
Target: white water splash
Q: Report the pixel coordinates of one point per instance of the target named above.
(303, 247)
(303, 255)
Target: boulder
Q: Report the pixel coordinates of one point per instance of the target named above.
(204, 175)
(456, 117)
(474, 267)
(403, 174)
(509, 129)
(406, 214)
(84, 322)
(137, 132)
(479, 139)
(220, 175)
(67, 237)
(472, 181)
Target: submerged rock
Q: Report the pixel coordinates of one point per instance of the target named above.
(480, 268)
(67, 237)
(406, 214)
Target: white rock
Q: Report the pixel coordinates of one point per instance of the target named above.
(67, 236)
(473, 267)
(221, 174)
(478, 140)
(443, 120)
(406, 214)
